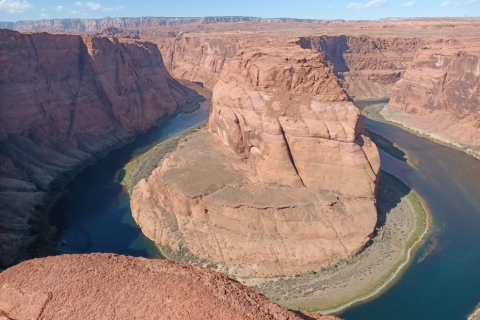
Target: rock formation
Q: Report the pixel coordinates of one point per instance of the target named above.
(440, 94)
(66, 100)
(107, 286)
(284, 181)
(367, 67)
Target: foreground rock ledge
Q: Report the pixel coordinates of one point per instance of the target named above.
(284, 181)
(108, 286)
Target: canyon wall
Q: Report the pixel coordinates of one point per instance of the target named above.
(107, 286)
(197, 57)
(283, 182)
(367, 66)
(66, 100)
(440, 94)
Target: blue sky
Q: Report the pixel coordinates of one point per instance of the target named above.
(13, 10)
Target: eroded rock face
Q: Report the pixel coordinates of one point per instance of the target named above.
(367, 67)
(283, 182)
(440, 93)
(65, 101)
(107, 286)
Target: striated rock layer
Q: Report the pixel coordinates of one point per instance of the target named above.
(282, 183)
(367, 66)
(440, 94)
(65, 101)
(107, 286)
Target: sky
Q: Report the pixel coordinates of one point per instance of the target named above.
(14, 10)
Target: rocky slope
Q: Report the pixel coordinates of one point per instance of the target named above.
(284, 181)
(107, 286)
(440, 94)
(65, 101)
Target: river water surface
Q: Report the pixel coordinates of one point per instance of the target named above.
(442, 282)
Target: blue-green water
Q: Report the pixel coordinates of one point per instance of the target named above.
(445, 285)
(94, 215)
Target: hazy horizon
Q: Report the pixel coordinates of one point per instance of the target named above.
(17, 10)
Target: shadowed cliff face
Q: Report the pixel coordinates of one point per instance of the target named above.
(65, 101)
(367, 67)
(283, 182)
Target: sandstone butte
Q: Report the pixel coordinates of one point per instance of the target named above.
(65, 101)
(107, 286)
(282, 183)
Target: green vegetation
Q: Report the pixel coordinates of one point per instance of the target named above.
(142, 166)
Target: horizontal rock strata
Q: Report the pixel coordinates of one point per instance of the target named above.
(65, 101)
(440, 94)
(284, 181)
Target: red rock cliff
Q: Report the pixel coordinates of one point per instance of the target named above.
(439, 94)
(367, 67)
(65, 100)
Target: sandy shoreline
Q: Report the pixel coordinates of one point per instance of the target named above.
(475, 315)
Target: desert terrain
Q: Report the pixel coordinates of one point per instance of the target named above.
(281, 187)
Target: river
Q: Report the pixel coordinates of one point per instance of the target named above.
(94, 215)
(442, 282)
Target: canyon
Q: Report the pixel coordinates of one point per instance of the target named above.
(283, 182)
(281, 123)
(66, 101)
(106, 286)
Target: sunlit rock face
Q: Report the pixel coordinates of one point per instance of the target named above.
(282, 181)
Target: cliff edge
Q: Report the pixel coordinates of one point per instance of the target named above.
(66, 101)
(108, 286)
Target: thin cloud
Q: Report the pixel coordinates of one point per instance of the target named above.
(94, 5)
(446, 4)
(14, 6)
(409, 4)
(79, 4)
(112, 9)
(44, 15)
(469, 2)
(60, 8)
(369, 5)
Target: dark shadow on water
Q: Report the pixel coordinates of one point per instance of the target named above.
(390, 192)
(361, 104)
(386, 145)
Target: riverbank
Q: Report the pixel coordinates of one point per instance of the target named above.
(403, 223)
(383, 113)
(41, 228)
(475, 314)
